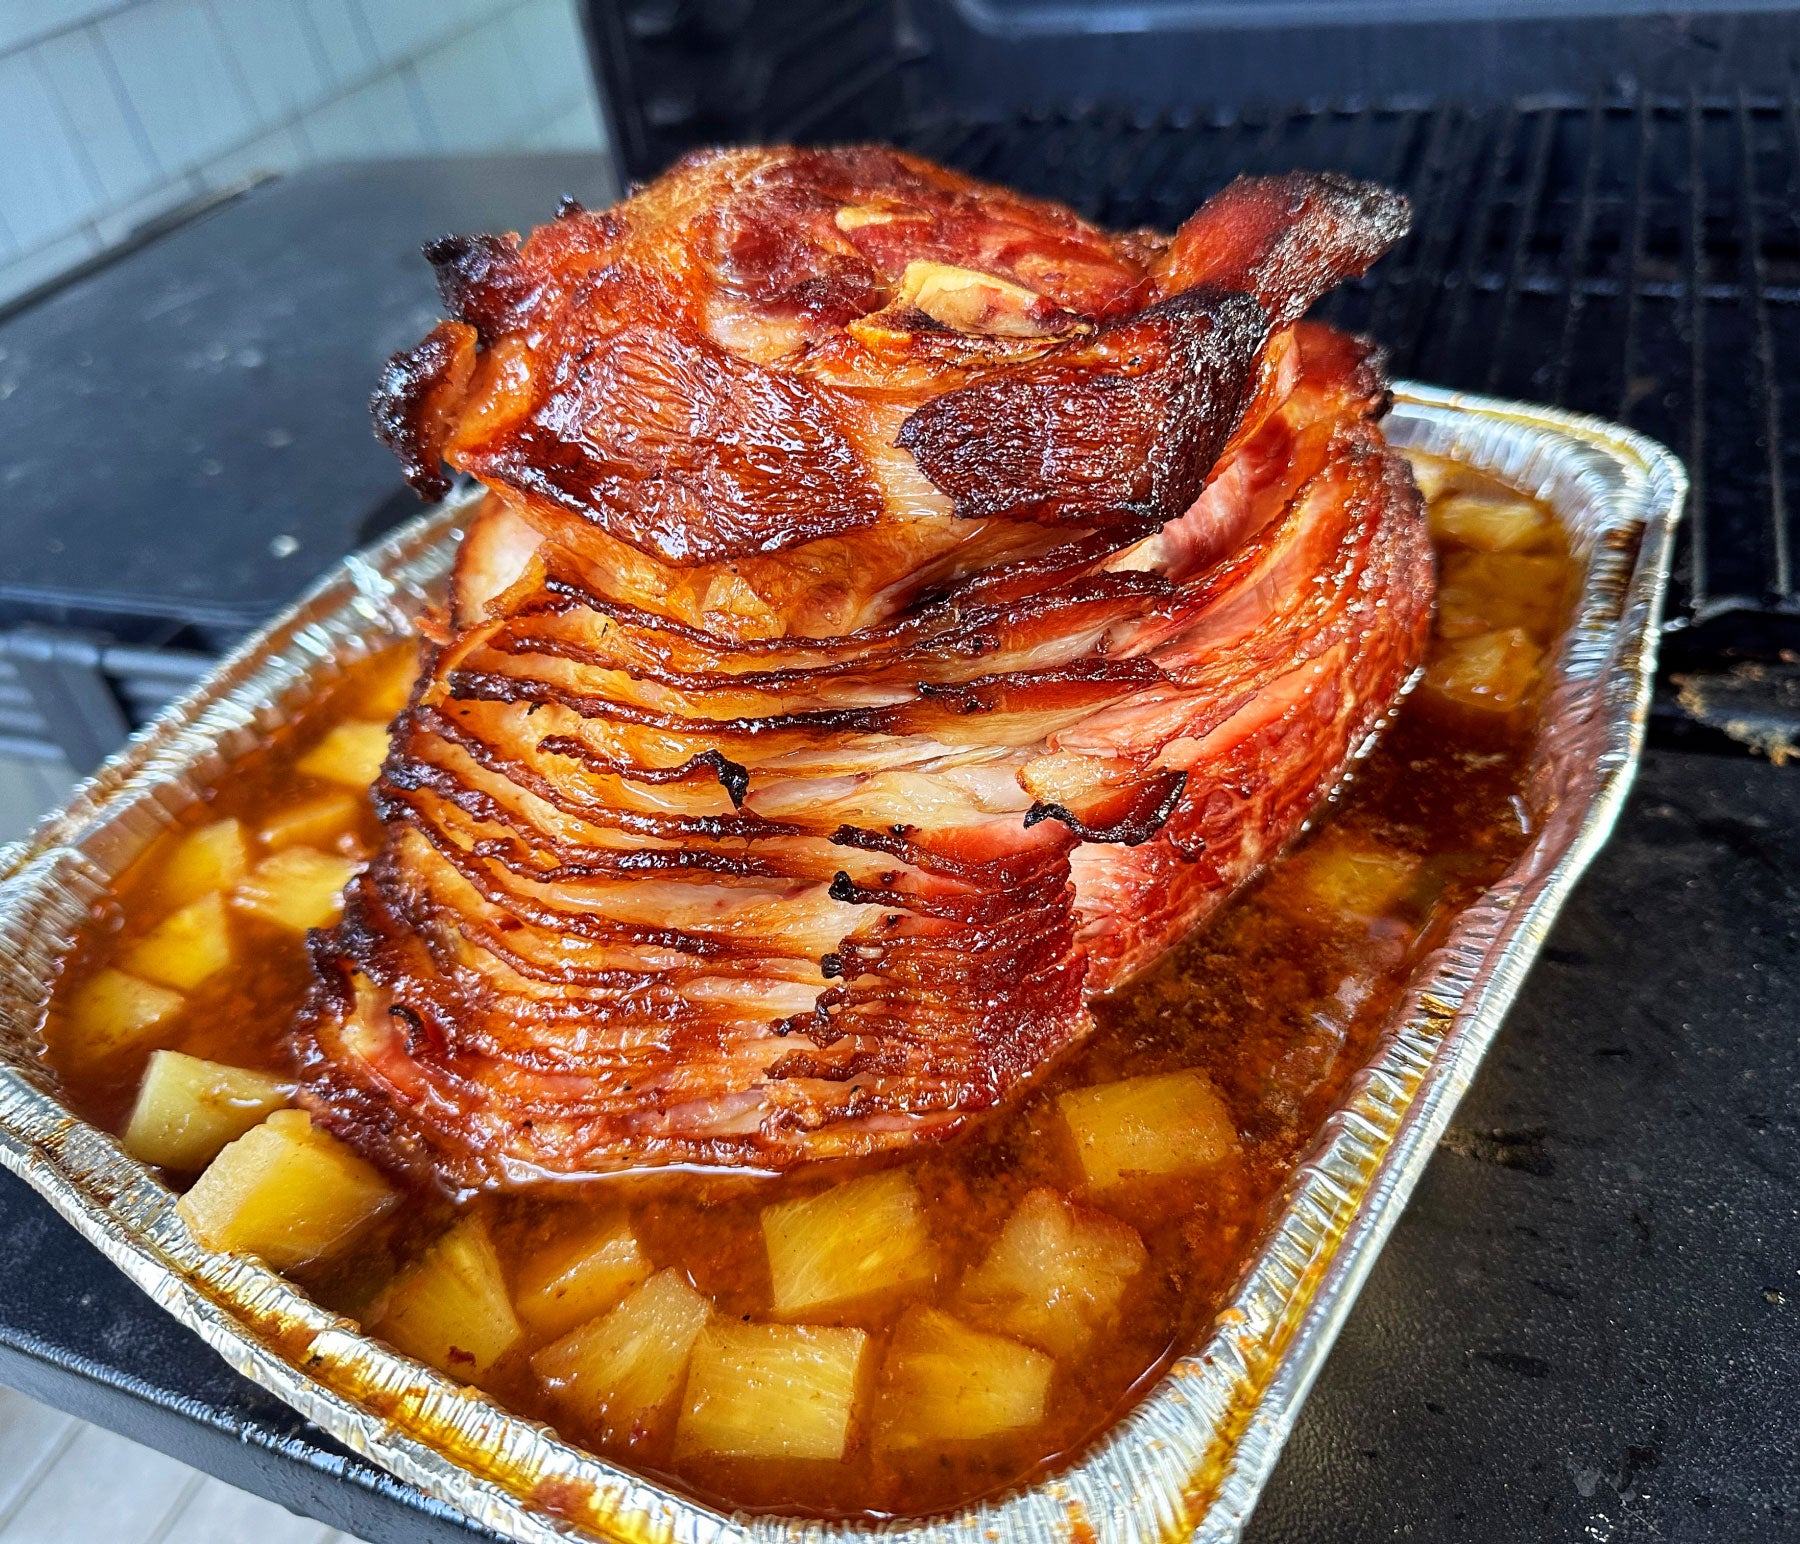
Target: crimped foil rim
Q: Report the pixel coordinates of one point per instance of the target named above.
(1191, 1458)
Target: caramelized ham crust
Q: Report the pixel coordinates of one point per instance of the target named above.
(899, 611)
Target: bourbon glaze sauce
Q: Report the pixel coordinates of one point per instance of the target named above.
(1279, 1001)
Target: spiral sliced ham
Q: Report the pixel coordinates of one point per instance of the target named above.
(899, 610)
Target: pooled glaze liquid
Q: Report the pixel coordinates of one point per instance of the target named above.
(1278, 1002)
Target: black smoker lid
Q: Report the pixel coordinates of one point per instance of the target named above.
(184, 432)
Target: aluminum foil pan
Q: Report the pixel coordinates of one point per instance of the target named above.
(1190, 1460)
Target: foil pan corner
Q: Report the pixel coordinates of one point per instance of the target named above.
(1191, 1458)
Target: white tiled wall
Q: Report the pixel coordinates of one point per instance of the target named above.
(114, 111)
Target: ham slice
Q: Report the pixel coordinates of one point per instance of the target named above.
(898, 612)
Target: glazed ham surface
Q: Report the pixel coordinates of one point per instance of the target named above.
(898, 611)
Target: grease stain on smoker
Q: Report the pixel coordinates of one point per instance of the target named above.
(1521, 1149)
(1757, 704)
(1515, 1362)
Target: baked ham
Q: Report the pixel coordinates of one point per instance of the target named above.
(898, 611)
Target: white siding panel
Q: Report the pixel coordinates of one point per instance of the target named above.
(25, 21)
(549, 42)
(343, 37)
(271, 44)
(92, 101)
(179, 82)
(218, 1514)
(101, 1487)
(31, 1437)
(44, 188)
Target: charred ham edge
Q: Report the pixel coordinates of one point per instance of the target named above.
(680, 868)
(733, 776)
(1146, 811)
(415, 404)
(1119, 428)
(1285, 240)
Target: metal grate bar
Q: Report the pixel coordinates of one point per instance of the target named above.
(1574, 295)
(1140, 168)
(859, 83)
(1396, 289)
(1694, 306)
(1525, 224)
(1451, 349)
(1634, 267)
(1356, 141)
(1769, 387)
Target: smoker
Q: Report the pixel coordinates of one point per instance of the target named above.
(1584, 1325)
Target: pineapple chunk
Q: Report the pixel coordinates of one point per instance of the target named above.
(771, 1391)
(187, 1109)
(1485, 592)
(1435, 475)
(211, 858)
(186, 947)
(1490, 522)
(286, 1191)
(351, 753)
(112, 1011)
(1055, 1275)
(859, 1238)
(1162, 1124)
(298, 888)
(616, 1372)
(971, 301)
(389, 684)
(567, 1286)
(449, 1308)
(1494, 673)
(1348, 877)
(943, 1382)
(316, 822)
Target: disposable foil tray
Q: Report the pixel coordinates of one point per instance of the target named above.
(1190, 1459)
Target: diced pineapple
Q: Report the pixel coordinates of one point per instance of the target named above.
(1482, 592)
(614, 1373)
(1490, 522)
(771, 1391)
(943, 1382)
(389, 684)
(970, 300)
(112, 1011)
(212, 857)
(1055, 1275)
(1348, 876)
(298, 888)
(316, 822)
(351, 753)
(859, 1238)
(286, 1191)
(449, 1308)
(1162, 1124)
(188, 1109)
(1494, 673)
(186, 947)
(1435, 475)
(566, 1286)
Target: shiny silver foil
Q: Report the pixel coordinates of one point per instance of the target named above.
(1189, 1461)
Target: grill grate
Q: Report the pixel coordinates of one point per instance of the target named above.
(1639, 260)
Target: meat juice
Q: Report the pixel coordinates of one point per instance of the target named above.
(1276, 1004)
